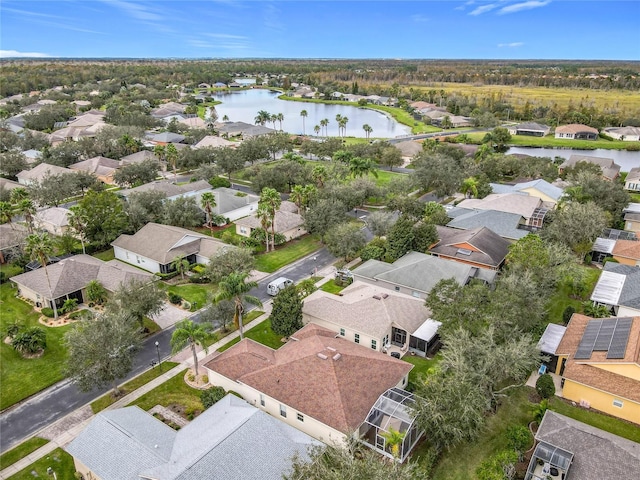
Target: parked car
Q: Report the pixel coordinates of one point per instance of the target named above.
(278, 284)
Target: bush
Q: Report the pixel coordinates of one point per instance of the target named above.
(498, 467)
(568, 312)
(168, 276)
(198, 268)
(609, 259)
(217, 182)
(633, 147)
(519, 438)
(212, 395)
(545, 386)
(175, 298)
(81, 314)
(48, 312)
(30, 340)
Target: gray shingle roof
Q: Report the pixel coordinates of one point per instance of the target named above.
(167, 137)
(630, 294)
(522, 205)
(168, 188)
(541, 185)
(40, 171)
(138, 157)
(228, 200)
(503, 223)
(12, 235)
(284, 219)
(490, 248)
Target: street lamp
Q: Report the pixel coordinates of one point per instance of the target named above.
(158, 352)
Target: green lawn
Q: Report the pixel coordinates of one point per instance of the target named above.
(288, 253)
(550, 142)
(107, 399)
(261, 333)
(19, 377)
(421, 367)
(105, 255)
(59, 460)
(332, 287)
(173, 391)
(25, 448)
(561, 299)
(635, 197)
(191, 292)
(384, 177)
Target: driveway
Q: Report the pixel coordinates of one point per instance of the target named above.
(170, 315)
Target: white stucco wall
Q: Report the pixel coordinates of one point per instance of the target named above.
(349, 334)
(135, 259)
(391, 286)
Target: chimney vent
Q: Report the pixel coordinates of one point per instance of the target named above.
(322, 356)
(337, 356)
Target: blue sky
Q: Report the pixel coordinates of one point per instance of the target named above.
(474, 29)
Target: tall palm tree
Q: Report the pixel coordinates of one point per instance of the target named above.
(262, 117)
(159, 152)
(6, 213)
(338, 120)
(19, 194)
(319, 175)
(235, 287)
(40, 247)
(273, 119)
(316, 130)
(343, 125)
(270, 198)
(181, 265)
(280, 118)
(190, 334)
(78, 223)
(324, 123)
(367, 130)
(27, 208)
(263, 215)
(297, 196)
(361, 167)
(303, 114)
(208, 202)
(225, 118)
(171, 153)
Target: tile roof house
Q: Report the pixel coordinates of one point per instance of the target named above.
(479, 247)
(599, 361)
(581, 452)
(508, 225)
(55, 220)
(627, 252)
(373, 316)
(619, 288)
(417, 273)
(228, 440)
(576, 131)
(632, 181)
(12, 237)
(154, 247)
(532, 129)
(214, 142)
(37, 173)
(548, 193)
(288, 222)
(626, 134)
(322, 385)
(102, 168)
(69, 278)
(528, 207)
(610, 169)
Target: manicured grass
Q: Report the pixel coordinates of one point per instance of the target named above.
(10, 269)
(107, 399)
(59, 460)
(332, 287)
(420, 368)
(561, 299)
(20, 377)
(384, 177)
(173, 391)
(105, 255)
(635, 197)
(150, 326)
(288, 253)
(550, 142)
(604, 422)
(10, 457)
(191, 292)
(261, 333)
(404, 117)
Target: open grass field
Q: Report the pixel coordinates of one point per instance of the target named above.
(25, 448)
(59, 461)
(261, 333)
(288, 253)
(551, 142)
(173, 391)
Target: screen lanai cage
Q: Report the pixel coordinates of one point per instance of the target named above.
(390, 425)
(548, 462)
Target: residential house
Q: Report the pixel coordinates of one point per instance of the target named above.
(528, 207)
(409, 148)
(610, 169)
(70, 277)
(632, 222)
(375, 317)
(234, 129)
(32, 156)
(416, 273)
(627, 252)
(40, 171)
(619, 288)
(479, 246)
(632, 181)
(287, 222)
(154, 247)
(166, 109)
(233, 204)
(225, 441)
(192, 121)
(12, 239)
(220, 85)
(320, 384)
(510, 226)
(602, 249)
(171, 190)
(548, 193)
(138, 157)
(86, 125)
(626, 134)
(102, 168)
(8, 185)
(599, 361)
(421, 105)
(576, 131)
(531, 129)
(573, 450)
(549, 342)
(212, 141)
(165, 138)
(54, 220)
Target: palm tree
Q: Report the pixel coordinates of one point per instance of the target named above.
(235, 287)
(324, 123)
(172, 157)
(338, 120)
(262, 117)
(264, 216)
(303, 114)
(6, 213)
(159, 152)
(180, 264)
(190, 334)
(270, 198)
(297, 196)
(28, 209)
(367, 130)
(208, 202)
(273, 119)
(280, 118)
(225, 118)
(394, 439)
(77, 223)
(40, 247)
(18, 194)
(316, 130)
(343, 125)
(319, 175)
(469, 187)
(361, 167)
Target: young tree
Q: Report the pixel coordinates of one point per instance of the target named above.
(264, 217)
(345, 240)
(229, 260)
(40, 247)
(78, 225)
(171, 154)
(435, 213)
(218, 314)
(180, 264)
(235, 287)
(297, 196)
(401, 237)
(286, 315)
(101, 352)
(138, 299)
(190, 334)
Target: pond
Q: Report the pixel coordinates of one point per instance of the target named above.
(626, 160)
(244, 105)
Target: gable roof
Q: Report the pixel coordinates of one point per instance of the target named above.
(489, 248)
(169, 188)
(367, 309)
(618, 284)
(337, 388)
(42, 170)
(97, 165)
(522, 205)
(74, 273)
(12, 235)
(163, 243)
(167, 137)
(597, 454)
(576, 128)
(57, 216)
(627, 249)
(215, 142)
(284, 219)
(541, 185)
(532, 126)
(503, 223)
(609, 168)
(138, 157)
(633, 175)
(228, 200)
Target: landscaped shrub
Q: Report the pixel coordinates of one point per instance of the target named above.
(198, 268)
(30, 340)
(545, 386)
(81, 315)
(175, 298)
(48, 312)
(519, 439)
(69, 305)
(167, 276)
(609, 259)
(500, 466)
(217, 182)
(568, 312)
(211, 395)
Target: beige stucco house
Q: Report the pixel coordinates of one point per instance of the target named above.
(288, 222)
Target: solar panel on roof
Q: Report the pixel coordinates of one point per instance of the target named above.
(588, 340)
(605, 335)
(620, 338)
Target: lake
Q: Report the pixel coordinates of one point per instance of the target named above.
(244, 105)
(626, 160)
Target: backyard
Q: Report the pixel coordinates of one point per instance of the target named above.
(563, 296)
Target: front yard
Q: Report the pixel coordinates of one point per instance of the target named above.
(197, 294)
(288, 253)
(261, 333)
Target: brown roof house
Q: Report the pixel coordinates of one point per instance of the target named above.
(138, 157)
(101, 167)
(610, 169)
(374, 317)
(627, 252)
(69, 278)
(632, 181)
(322, 385)
(480, 246)
(599, 361)
(154, 247)
(576, 131)
(288, 222)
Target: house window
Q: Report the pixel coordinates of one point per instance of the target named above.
(300, 417)
(262, 402)
(356, 338)
(618, 403)
(397, 288)
(415, 294)
(342, 332)
(374, 344)
(283, 411)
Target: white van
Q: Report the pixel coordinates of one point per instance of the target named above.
(278, 284)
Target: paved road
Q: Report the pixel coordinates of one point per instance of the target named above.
(64, 397)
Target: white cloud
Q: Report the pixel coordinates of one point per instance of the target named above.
(17, 54)
(418, 17)
(511, 45)
(226, 35)
(483, 9)
(136, 10)
(519, 7)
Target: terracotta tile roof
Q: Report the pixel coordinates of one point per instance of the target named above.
(595, 377)
(627, 249)
(337, 390)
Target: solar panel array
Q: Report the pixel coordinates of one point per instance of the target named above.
(607, 335)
